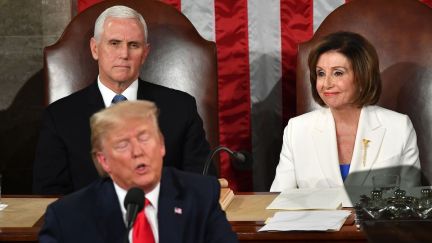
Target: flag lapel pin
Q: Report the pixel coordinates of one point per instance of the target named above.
(178, 210)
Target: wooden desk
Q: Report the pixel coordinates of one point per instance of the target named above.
(21, 220)
(247, 214)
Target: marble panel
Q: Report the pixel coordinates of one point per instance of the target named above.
(26, 27)
(20, 17)
(21, 59)
(56, 14)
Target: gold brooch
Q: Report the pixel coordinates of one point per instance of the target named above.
(365, 146)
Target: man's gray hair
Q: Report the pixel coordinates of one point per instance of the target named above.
(118, 11)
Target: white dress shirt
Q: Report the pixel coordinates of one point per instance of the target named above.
(107, 94)
(150, 210)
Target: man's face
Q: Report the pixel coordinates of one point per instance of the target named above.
(132, 154)
(120, 52)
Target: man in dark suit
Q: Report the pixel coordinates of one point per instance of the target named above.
(128, 150)
(62, 162)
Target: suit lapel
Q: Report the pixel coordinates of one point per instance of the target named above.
(370, 134)
(172, 212)
(324, 137)
(145, 91)
(94, 99)
(109, 219)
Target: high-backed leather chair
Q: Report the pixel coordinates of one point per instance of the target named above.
(401, 32)
(179, 58)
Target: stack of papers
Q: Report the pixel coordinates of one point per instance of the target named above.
(312, 198)
(317, 220)
(305, 199)
(310, 209)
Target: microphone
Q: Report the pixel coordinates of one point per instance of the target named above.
(242, 159)
(134, 202)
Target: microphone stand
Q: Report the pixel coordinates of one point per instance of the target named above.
(210, 157)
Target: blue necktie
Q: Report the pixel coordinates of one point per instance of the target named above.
(118, 98)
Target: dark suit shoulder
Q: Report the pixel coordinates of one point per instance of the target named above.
(160, 91)
(188, 181)
(77, 99)
(82, 198)
(93, 212)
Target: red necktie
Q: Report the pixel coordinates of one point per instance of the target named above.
(142, 232)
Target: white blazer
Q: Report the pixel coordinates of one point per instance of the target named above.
(309, 156)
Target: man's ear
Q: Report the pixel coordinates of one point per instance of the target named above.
(94, 48)
(145, 54)
(102, 160)
(162, 141)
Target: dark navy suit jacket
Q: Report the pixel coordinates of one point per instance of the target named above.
(93, 214)
(63, 161)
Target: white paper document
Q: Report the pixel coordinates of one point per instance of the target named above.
(314, 220)
(311, 198)
(2, 206)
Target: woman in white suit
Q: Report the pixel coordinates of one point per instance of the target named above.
(348, 140)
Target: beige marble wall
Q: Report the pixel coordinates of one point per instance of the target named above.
(27, 26)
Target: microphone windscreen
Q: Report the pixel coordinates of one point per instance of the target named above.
(239, 156)
(134, 196)
(243, 160)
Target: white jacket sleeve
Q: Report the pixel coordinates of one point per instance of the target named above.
(285, 172)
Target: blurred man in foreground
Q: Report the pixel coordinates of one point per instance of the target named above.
(128, 150)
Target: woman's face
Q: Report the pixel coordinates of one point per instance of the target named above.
(335, 80)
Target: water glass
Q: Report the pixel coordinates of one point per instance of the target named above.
(386, 183)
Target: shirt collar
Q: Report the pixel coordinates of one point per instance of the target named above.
(152, 196)
(107, 94)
